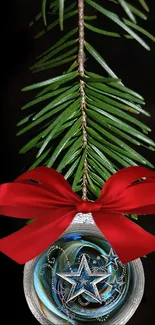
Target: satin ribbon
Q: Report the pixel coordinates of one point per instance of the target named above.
(44, 195)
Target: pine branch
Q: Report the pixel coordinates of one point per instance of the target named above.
(84, 124)
(81, 60)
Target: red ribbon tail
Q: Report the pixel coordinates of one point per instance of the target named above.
(35, 238)
(127, 239)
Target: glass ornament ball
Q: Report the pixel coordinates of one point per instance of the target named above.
(80, 280)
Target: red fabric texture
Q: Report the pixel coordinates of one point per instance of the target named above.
(44, 195)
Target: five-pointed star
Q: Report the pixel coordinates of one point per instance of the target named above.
(115, 285)
(84, 281)
(111, 258)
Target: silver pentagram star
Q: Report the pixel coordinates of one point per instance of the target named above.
(115, 285)
(111, 258)
(84, 285)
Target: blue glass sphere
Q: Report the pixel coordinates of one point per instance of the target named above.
(79, 280)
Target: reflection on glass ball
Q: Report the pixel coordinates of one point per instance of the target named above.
(80, 279)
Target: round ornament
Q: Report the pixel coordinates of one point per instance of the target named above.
(80, 279)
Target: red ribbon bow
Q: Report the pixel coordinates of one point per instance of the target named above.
(51, 201)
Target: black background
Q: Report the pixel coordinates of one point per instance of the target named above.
(130, 61)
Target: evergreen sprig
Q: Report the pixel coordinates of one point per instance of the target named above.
(85, 124)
